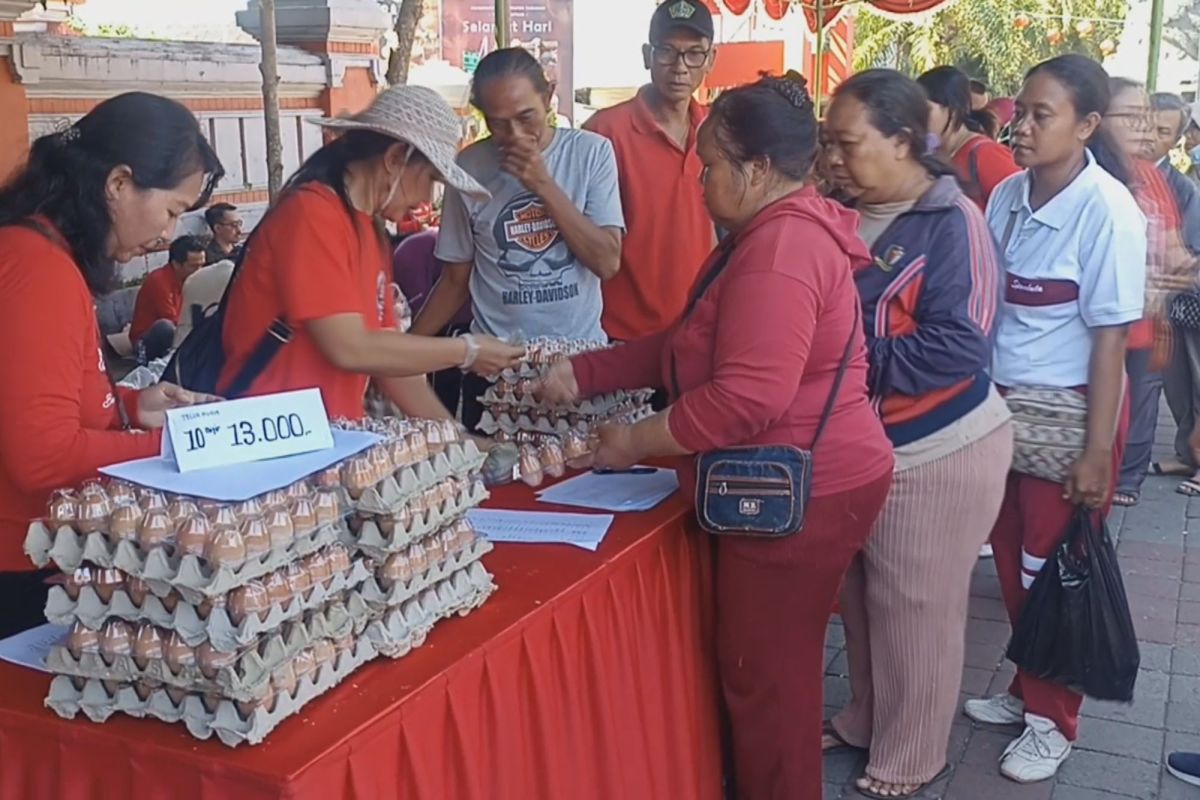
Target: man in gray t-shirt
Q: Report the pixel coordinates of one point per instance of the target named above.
(525, 280)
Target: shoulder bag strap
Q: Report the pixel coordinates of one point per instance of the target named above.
(847, 356)
(1008, 232)
(702, 287)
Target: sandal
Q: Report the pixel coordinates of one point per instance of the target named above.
(945, 771)
(838, 744)
(1189, 488)
(1180, 470)
(1125, 499)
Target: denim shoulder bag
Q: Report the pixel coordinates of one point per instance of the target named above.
(757, 490)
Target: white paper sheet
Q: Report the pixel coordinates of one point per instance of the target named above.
(535, 527)
(30, 648)
(243, 481)
(622, 491)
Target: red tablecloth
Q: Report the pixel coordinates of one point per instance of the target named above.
(587, 675)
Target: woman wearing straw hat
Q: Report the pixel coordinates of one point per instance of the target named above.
(320, 262)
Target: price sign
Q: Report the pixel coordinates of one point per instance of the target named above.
(250, 429)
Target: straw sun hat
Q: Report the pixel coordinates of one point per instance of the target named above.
(418, 116)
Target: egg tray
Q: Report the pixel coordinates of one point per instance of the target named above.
(246, 679)
(226, 723)
(190, 575)
(379, 596)
(395, 634)
(217, 628)
(374, 542)
(390, 494)
(599, 406)
(523, 423)
(400, 630)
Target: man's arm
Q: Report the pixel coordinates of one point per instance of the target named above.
(448, 295)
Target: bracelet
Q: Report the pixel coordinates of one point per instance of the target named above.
(472, 351)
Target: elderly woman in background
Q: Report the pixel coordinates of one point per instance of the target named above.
(929, 300)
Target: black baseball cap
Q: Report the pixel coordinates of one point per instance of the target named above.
(691, 15)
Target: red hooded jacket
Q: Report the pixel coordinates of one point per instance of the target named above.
(757, 355)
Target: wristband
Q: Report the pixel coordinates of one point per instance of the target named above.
(472, 351)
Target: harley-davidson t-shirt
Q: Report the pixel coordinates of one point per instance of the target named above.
(525, 281)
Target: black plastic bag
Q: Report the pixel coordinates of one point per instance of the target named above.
(1076, 628)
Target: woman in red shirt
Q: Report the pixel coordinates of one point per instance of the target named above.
(109, 188)
(980, 162)
(320, 262)
(753, 363)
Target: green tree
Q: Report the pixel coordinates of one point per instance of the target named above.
(996, 41)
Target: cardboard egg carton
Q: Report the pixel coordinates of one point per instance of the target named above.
(248, 678)
(226, 722)
(374, 542)
(163, 570)
(599, 406)
(389, 495)
(403, 628)
(217, 628)
(466, 560)
(510, 424)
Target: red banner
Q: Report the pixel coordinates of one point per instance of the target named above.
(543, 27)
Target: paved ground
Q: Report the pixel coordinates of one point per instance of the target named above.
(1121, 748)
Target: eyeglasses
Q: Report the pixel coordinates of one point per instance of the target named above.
(1136, 120)
(235, 224)
(667, 56)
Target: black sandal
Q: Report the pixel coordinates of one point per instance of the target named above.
(827, 730)
(1125, 499)
(942, 775)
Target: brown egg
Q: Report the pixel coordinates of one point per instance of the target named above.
(417, 558)
(226, 549)
(147, 646)
(554, 462)
(171, 601)
(298, 489)
(452, 432)
(208, 605)
(251, 600)
(256, 535)
(504, 389)
(531, 466)
(381, 462)
(503, 437)
(404, 518)
(178, 654)
(344, 644)
(248, 508)
(357, 476)
(400, 451)
(62, 510)
(273, 499)
(278, 591)
(280, 530)
(144, 689)
(212, 660)
(448, 540)
(123, 523)
(177, 695)
(208, 507)
(304, 664)
(435, 551)
(299, 579)
(319, 567)
(328, 507)
(525, 388)
(433, 438)
(431, 498)
(149, 499)
(304, 516)
(324, 652)
(182, 508)
(396, 569)
(266, 703)
(211, 701)
(283, 680)
(138, 591)
(330, 478)
(154, 530)
(75, 581)
(464, 533)
(106, 582)
(92, 486)
(339, 557)
(419, 444)
(116, 640)
(82, 639)
(93, 511)
(225, 516)
(193, 534)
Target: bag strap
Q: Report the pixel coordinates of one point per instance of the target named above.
(701, 287)
(1008, 231)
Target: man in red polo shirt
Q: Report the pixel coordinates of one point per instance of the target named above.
(160, 300)
(654, 135)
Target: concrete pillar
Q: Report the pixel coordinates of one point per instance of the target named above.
(348, 34)
(14, 105)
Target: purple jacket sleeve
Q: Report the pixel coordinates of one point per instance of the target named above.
(955, 313)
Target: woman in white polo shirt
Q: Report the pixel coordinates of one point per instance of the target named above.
(1074, 243)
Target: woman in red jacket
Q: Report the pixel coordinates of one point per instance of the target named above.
(753, 363)
(109, 188)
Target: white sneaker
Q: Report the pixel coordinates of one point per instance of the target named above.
(1037, 753)
(1000, 709)
(986, 551)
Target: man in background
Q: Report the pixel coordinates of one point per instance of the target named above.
(159, 301)
(670, 233)
(1171, 120)
(226, 225)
